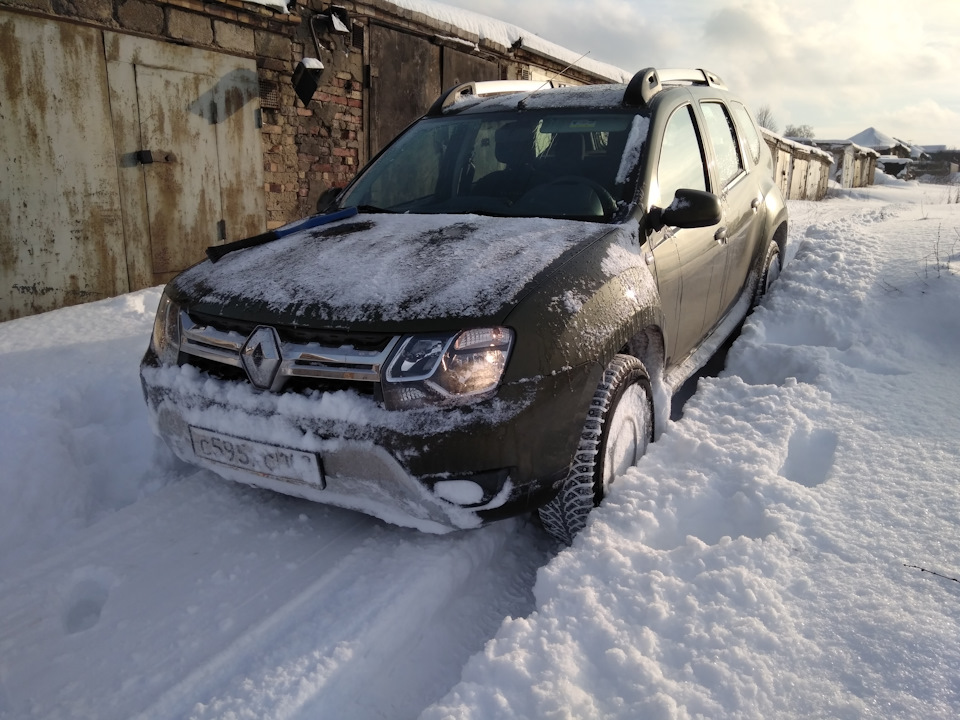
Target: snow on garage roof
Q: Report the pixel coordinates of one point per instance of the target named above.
(507, 35)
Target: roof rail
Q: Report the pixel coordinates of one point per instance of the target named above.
(480, 89)
(649, 81)
(643, 86)
(675, 76)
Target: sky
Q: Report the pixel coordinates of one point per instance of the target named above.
(840, 66)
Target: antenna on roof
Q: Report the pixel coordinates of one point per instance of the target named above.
(549, 81)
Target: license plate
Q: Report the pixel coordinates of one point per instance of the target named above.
(294, 466)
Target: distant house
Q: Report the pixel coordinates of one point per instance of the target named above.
(887, 145)
(906, 160)
(901, 167)
(944, 161)
(931, 163)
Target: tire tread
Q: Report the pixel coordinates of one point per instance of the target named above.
(566, 514)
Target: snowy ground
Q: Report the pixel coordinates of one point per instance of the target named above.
(761, 561)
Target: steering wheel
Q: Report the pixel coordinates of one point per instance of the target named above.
(606, 199)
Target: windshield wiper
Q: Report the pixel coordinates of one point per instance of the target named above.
(216, 252)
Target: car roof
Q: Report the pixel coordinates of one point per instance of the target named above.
(506, 96)
(544, 97)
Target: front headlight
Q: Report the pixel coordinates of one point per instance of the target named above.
(166, 331)
(446, 369)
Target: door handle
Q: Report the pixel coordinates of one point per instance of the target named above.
(755, 203)
(148, 157)
(721, 236)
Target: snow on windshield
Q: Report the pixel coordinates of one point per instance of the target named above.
(632, 151)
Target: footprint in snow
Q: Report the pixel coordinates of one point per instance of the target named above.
(85, 599)
(810, 456)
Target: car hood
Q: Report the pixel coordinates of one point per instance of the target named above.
(378, 268)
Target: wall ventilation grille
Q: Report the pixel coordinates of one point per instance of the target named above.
(269, 94)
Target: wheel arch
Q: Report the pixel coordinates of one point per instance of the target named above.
(648, 346)
(780, 237)
(777, 234)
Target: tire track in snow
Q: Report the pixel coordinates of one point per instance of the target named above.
(208, 596)
(354, 659)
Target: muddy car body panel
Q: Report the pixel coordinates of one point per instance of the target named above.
(516, 258)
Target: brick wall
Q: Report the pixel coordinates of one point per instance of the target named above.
(308, 150)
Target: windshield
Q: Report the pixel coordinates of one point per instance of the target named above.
(538, 164)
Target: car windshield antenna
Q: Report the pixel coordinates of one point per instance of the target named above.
(549, 81)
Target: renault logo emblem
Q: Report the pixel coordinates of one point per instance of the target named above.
(260, 356)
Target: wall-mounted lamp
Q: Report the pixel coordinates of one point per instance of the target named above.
(338, 19)
(306, 79)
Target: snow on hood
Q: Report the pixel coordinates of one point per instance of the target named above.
(391, 267)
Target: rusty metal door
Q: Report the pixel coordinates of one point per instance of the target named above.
(81, 217)
(190, 156)
(404, 82)
(61, 231)
(458, 67)
(178, 141)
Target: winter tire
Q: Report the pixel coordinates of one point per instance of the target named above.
(772, 264)
(618, 428)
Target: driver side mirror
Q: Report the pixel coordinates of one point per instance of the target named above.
(689, 209)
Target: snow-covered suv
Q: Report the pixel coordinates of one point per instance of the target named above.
(491, 317)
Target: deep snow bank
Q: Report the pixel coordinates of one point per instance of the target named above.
(74, 438)
(754, 563)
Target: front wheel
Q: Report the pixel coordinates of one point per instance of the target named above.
(618, 428)
(772, 264)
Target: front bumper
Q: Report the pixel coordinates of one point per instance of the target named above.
(432, 469)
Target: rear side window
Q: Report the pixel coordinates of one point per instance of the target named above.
(747, 129)
(724, 140)
(681, 157)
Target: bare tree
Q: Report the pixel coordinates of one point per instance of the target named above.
(799, 131)
(766, 120)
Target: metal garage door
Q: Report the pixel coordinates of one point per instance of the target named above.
(61, 235)
(190, 151)
(407, 73)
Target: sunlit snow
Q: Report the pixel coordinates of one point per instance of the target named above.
(787, 548)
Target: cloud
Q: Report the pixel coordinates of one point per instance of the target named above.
(834, 65)
(740, 29)
(923, 122)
